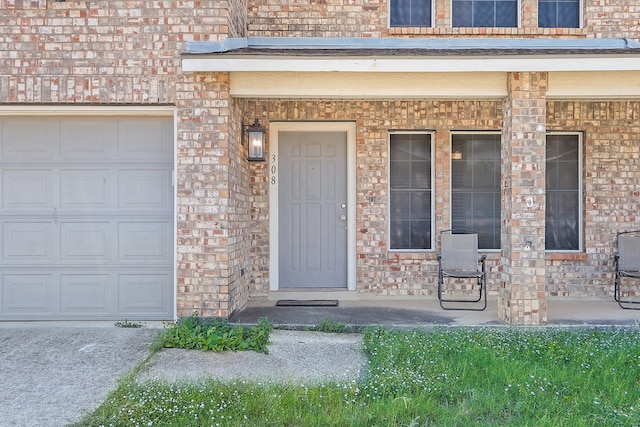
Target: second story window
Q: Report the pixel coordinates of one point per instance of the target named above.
(484, 13)
(410, 13)
(559, 13)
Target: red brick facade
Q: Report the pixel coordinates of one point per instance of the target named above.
(114, 53)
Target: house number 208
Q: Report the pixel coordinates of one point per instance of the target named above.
(274, 169)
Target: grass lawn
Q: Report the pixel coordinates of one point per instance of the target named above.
(439, 377)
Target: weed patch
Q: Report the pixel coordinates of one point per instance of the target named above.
(216, 335)
(128, 324)
(329, 326)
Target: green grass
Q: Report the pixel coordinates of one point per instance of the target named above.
(440, 377)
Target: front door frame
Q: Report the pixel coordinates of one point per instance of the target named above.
(274, 129)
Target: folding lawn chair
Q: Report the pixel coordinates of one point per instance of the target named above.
(458, 259)
(627, 263)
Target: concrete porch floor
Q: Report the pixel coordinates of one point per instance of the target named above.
(413, 312)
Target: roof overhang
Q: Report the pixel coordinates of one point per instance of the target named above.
(415, 55)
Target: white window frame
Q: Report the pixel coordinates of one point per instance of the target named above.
(433, 188)
(580, 136)
(431, 24)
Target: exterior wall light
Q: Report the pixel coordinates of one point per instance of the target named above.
(255, 141)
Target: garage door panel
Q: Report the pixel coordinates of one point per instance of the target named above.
(143, 293)
(85, 293)
(27, 293)
(86, 189)
(143, 138)
(89, 138)
(28, 189)
(28, 242)
(144, 242)
(144, 189)
(24, 139)
(82, 242)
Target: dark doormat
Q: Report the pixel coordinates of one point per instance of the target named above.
(307, 303)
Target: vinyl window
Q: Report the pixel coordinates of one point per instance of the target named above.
(410, 13)
(559, 13)
(475, 186)
(411, 191)
(484, 13)
(563, 193)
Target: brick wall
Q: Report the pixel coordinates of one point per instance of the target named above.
(611, 193)
(379, 270)
(611, 185)
(366, 18)
(107, 51)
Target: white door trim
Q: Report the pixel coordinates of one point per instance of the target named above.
(274, 129)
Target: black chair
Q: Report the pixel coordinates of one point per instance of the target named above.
(627, 263)
(458, 259)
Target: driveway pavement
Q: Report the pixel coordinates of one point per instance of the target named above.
(53, 373)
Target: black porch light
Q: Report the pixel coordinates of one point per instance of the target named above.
(255, 141)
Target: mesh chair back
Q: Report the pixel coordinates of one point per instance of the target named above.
(459, 251)
(629, 252)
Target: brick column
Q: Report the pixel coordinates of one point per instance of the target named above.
(521, 294)
(204, 213)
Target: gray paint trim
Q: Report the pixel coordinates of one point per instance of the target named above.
(388, 43)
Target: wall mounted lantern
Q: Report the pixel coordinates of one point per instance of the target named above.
(255, 141)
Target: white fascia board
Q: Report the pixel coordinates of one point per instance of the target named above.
(87, 110)
(249, 63)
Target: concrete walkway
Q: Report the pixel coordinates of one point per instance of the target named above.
(419, 312)
(55, 372)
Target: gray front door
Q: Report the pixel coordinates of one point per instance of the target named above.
(313, 209)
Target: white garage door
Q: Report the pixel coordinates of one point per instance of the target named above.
(86, 218)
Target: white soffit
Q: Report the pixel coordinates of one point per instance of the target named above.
(562, 85)
(604, 84)
(368, 85)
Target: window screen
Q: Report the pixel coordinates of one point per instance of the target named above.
(484, 13)
(563, 193)
(410, 191)
(475, 186)
(559, 13)
(410, 13)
